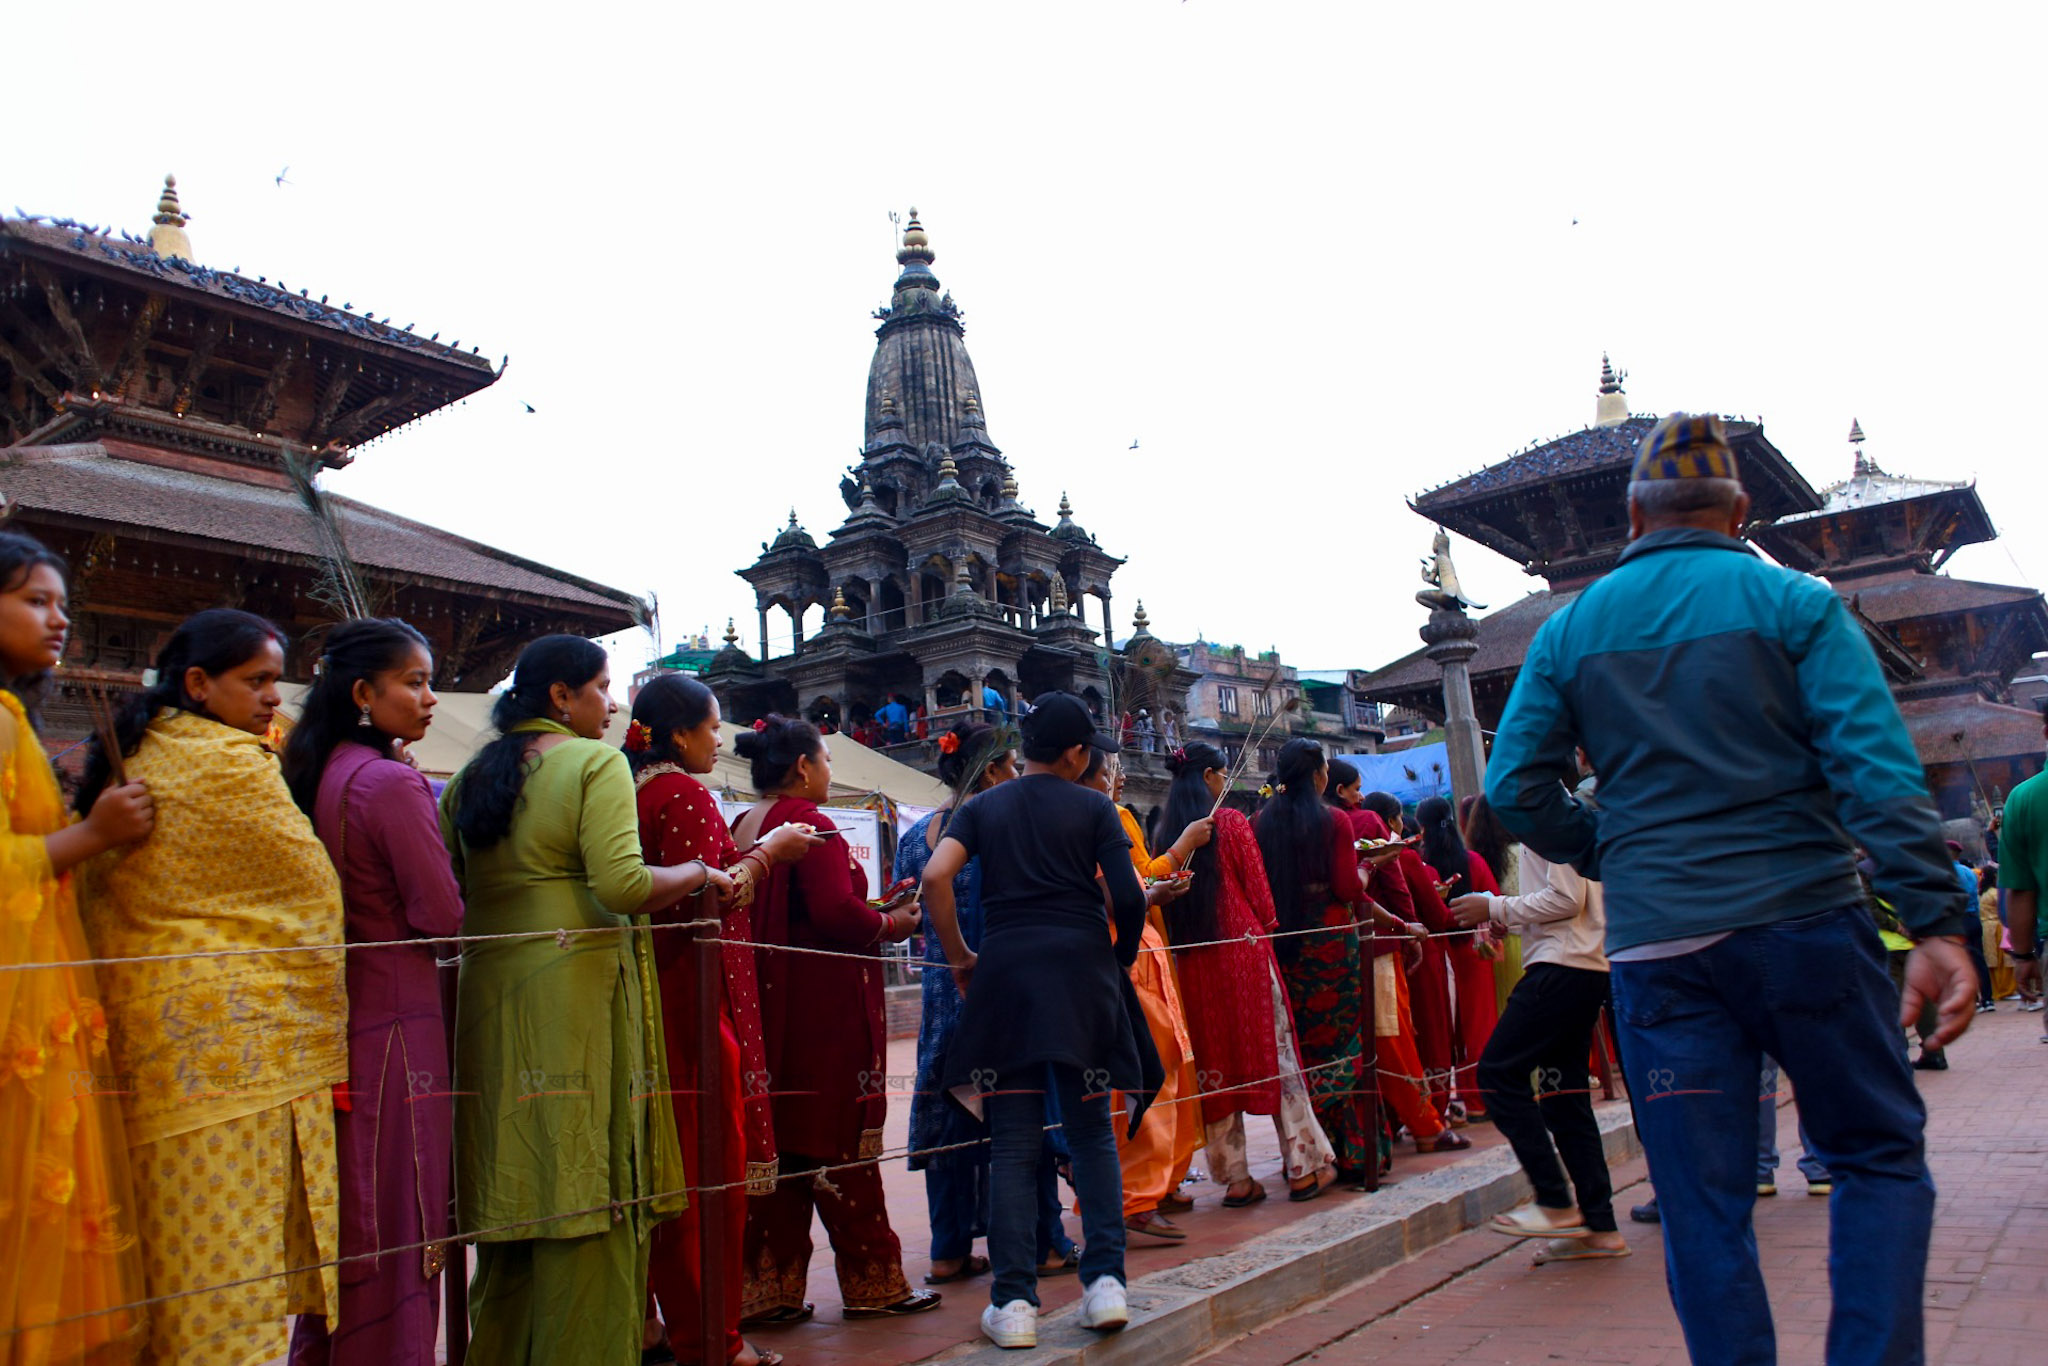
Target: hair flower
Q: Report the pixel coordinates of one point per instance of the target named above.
(949, 743)
(638, 738)
(762, 724)
(1266, 790)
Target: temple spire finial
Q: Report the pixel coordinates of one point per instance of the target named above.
(1864, 464)
(168, 237)
(1140, 621)
(1612, 408)
(840, 611)
(1066, 508)
(732, 634)
(917, 244)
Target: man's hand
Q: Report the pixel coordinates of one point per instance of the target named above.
(1939, 970)
(1472, 910)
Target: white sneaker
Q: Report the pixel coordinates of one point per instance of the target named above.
(1103, 1307)
(1013, 1325)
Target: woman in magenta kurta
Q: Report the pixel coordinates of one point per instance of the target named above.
(376, 816)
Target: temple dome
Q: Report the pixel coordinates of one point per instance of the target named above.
(921, 356)
(793, 537)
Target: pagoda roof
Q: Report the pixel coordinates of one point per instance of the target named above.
(65, 243)
(1949, 730)
(1873, 520)
(1560, 507)
(91, 484)
(1907, 595)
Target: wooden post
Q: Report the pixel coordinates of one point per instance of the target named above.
(709, 1109)
(1366, 931)
(455, 1270)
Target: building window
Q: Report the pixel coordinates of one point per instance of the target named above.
(1226, 700)
(1263, 702)
(1268, 757)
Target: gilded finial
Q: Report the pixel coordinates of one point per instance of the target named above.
(1066, 508)
(1856, 432)
(168, 237)
(792, 519)
(732, 635)
(1142, 622)
(840, 611)
(972, 403)
(888, 403)
(1009, 485)
(1609, 382)
(948, 470)
(917, 246)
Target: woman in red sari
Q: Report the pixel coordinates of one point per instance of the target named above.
(1460, 871)
(1230, 985)
(1429, 982)
(823, 1037)
(673, 736)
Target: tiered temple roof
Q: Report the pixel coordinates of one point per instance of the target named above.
(162, 424)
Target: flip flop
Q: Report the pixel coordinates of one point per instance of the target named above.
(974, 1264)
(1066, 1266)
(1567, 1250)
(1527, 1223)
(916, 1302)
(1256, 1194)
(761, 1358)
(781, 1318)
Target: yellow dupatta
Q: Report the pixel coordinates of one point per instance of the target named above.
(67, 1243)
(233, 864)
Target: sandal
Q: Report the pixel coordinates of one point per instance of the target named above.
(971, 1266)
(1316, 1186)
(761, 1358)
(1176, 1203)
(1445, 1142)
(1530, 1222)
(916, 1302)
(1569, 1250)
(784, 1317)
(1250, 1197)
(1153, 1224)
(1067, 1265)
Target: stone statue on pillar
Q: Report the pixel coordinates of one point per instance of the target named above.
(1452, 639)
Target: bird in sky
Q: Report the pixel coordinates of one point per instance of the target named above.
(1134, 443)
(524, 404)
(281, 181)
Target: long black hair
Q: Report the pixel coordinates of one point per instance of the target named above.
(1387, 807)
(21, 556)
(328, 714)
(489, 786)
(976, 745)
(670, 703)
(213, 642)
(774, 746)
(1343, 773)
(1192, 919)
(1294, 841)
(1485, 835)
(1443, 848)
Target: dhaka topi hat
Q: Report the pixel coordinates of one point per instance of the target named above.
(1685, 446)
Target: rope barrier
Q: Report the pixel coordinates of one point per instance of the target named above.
(617, 1209)
(563, 935)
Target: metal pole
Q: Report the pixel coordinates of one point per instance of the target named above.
(709, 1110)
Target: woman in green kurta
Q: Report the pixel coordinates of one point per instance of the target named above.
(559, 1071)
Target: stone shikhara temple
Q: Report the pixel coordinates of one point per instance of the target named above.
(161, 425)
(940, 583)
(1950, 648)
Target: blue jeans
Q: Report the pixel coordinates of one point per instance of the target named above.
(1016, 1169)
(1813, 993)
(956, 1197)
(1810, 1167)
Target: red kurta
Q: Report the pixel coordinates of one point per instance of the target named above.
(1477, 1004)
(1429, 983)
(1227, 989)
(680, 821)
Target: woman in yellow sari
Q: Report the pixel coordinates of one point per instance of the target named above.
(229, 1056)
(70, 1266)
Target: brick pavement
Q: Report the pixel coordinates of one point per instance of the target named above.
(1478, 1297)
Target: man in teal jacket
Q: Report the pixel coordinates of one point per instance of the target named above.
(1746, 743)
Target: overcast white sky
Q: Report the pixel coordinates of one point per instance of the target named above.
(1314, 258)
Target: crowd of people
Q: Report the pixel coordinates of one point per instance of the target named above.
(222, 1122)
(241, 1098)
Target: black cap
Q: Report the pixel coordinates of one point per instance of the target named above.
(1060, 720)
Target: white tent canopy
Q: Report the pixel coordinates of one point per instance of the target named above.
(462, 723)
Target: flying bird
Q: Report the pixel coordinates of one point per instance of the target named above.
(281, 181)
(524, 404)
(1134, 443)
